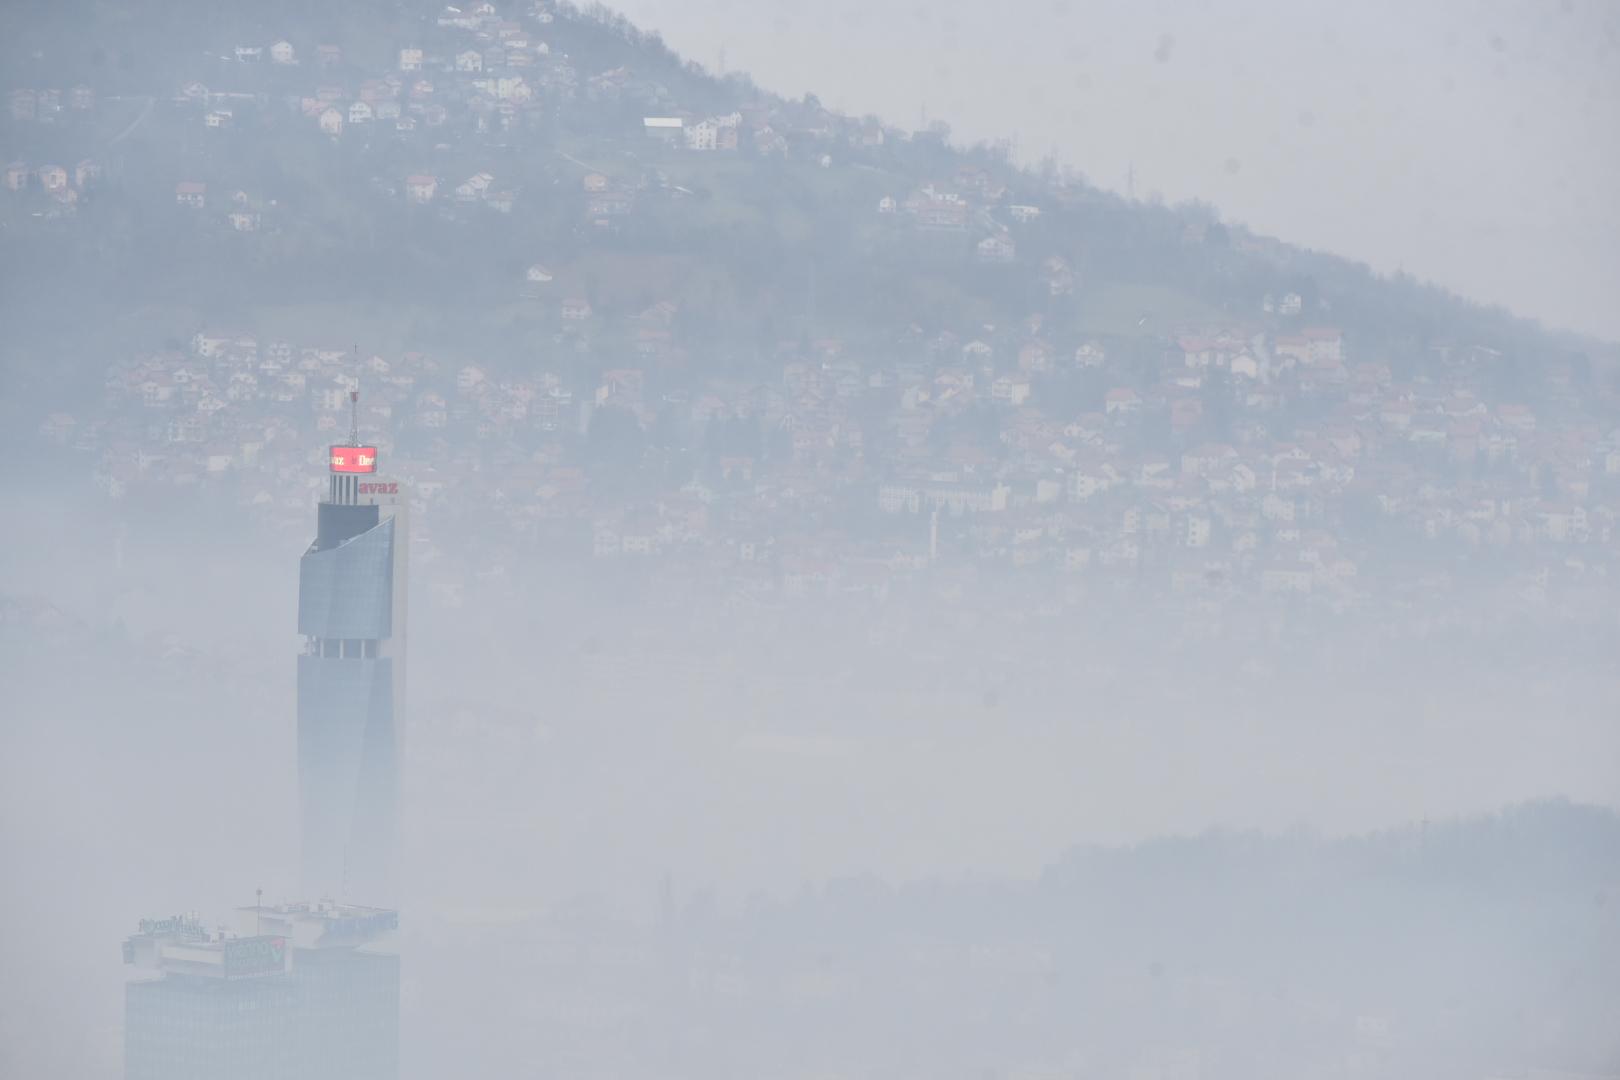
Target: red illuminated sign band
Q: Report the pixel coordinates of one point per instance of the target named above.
(354, 459)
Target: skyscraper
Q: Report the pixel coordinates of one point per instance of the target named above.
(351, 681)
(302, 992)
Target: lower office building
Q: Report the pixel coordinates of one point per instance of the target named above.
(297, 992)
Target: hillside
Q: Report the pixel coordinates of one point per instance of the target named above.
(531, 221)
(776, 238)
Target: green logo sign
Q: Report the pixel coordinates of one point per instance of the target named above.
(264, 955)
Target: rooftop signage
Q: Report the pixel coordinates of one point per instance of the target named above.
(185, 926)
(354, 459)
(249, 956)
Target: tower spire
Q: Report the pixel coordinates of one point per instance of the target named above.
(354, 401)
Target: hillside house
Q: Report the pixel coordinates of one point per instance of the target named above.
(1291, 349)
(1325, 345)
(421, 188)
(282, 52)
(1090, 355)
(1035, 357)
(191, 193)
(995, 249)
(1008, 390)
(331, 121)
(665, 129)
(430, 411)
(1122, 400)
(934, 209)
(703, 135)
(1058, 275)
(603, 204)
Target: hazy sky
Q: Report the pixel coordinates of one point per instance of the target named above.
(1477, 144)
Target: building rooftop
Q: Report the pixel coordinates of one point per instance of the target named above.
(262, 943)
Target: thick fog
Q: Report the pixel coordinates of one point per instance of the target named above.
(880, 602)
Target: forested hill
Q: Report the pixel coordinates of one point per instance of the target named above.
(225, 158)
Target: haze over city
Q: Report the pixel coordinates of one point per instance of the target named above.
(1045, 541)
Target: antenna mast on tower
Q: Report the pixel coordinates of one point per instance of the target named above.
(354, 401)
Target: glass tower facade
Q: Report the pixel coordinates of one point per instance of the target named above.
(351, 607)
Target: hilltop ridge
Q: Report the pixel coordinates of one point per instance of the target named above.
(777, 217)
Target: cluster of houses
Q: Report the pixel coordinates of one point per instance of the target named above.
(60, 187)
(1203, 511)
(974, 200)
(1248, 461)
(47, 106)
(483, 73)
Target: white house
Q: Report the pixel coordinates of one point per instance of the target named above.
(665, 128)
(995, 249)
(703, 135)
(1122, 399)
(1010, 390)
